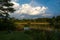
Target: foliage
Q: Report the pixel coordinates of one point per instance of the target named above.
(43, 35)
(9, 25)
(55, 22)
(5, 9)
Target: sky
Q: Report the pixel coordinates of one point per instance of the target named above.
(35, 8)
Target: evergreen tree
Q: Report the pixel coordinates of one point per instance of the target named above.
(5, 9)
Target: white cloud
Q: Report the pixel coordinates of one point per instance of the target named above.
(28, 9)
(14, 0)
(45, 15)
(16, 5)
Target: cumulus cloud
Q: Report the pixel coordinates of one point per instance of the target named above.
(27, 9)
(16, 6)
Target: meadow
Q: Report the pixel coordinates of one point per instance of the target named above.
(30, 35)
(4, 35)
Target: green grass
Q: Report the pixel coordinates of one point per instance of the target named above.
(44, 35)
(14, 36)
(30, 35)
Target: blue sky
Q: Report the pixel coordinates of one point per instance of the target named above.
(48, 8)
(53, 5)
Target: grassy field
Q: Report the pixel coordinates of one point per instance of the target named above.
(30, 35)
(14, 36)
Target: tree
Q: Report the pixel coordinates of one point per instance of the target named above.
(58, 22)
(55, 22)
(5, 9)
